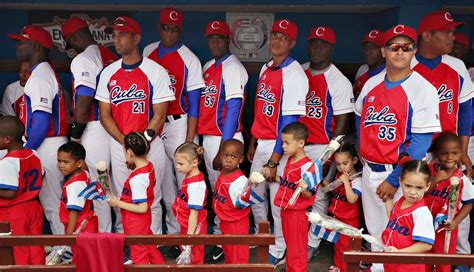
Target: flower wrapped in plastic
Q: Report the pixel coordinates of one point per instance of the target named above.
(453, 197)
(330, 223)
(186, 254)
(103, 177)
(333, 185)
(310, 179)
(56, 255)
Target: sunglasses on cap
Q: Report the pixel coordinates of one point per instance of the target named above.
(394, 47)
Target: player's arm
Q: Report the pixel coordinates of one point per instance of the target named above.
(7, 194)
(192, 221)
(108, 122)
(72, 221)
(352, 197)
(39, 126)
(159, 114)
(417, 247)
(9, 177)
(83, 103)
(194, 97)
(463, 212)
(342, 124)
(464, 132)
(251, 148)
(141, 207)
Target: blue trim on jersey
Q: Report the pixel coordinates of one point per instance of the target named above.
(8, 187)
(131, 66)
(150, 99)
(357, 192)
(464, 118)
(423, 239)
(194, 207)
(40, 125)
(82, 90)
(285, 63)
(220, 108)
(163, 51)
(284, 120)
(140, 200)
(184, 92)
(468, 201)
(408, 135)
(221, 60)
(34, 66)
(74, 207)
(430, 63)
(231, 122)
(357, 131)
(194, 97)
(256, 196)
(327, 123)
(56, 115)
(392, 84)
(376, 71)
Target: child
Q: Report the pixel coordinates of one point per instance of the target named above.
(410, 225)
(137, 197)
(190, 202)
(447, 150)
(73, 210)
(21, 178)
(230, 205)
(345, 199)
(293, 218)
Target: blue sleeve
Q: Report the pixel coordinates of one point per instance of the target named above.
(285, 120)
(85, 91)
(40, 126)
(193, 101)
(419, 144)
(357, 129)
(465, 119)
(231, 122)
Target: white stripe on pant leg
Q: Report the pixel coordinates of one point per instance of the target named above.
(120, 173)
(96, 142)
(157, 157)
(262, 154)
(51, 191)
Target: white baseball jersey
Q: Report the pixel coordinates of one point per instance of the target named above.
(11, 97)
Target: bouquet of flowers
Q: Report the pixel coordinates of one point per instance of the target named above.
(333, 185)
(256, 177)
(327, 153)
(103, 177)
(185, 256)
(56, 255)
(453, 200)
(336, 225)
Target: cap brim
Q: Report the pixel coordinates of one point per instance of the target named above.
(17, 37)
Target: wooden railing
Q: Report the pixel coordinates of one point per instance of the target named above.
(262, 240)
(354, 256)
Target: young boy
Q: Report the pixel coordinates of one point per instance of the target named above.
(73, 210)
(21, 178)
(230, 205)
(294, 219)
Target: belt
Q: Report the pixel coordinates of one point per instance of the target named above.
(381, 167)
(173, 117)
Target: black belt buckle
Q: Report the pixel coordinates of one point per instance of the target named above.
(174, 116)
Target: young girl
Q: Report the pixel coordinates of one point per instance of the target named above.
(345, 199)
(447, 149)
(410, 225)
(137, 197)
(190, 202)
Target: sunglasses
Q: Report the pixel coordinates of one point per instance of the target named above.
(394, 47)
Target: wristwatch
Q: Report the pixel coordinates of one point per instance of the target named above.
(272, 164)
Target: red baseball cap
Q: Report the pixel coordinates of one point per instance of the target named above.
(287, 27)
(400, 30)
(35, 34)
(171, 16)
(324, 33)
(438, 20)
(72, 25)
(374, 36)
(125, 24)
(218, 27)
(461, 39)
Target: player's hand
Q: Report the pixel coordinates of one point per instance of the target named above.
(250, 153)
(386, 190)
(466, 161)
(272, 174)
(113, 201)
(440, 176)
(345, 178)
(216, 162)
(451, 225)
(303, 185)
(393, 249)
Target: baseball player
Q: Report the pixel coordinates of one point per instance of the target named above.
(86, 127)
(280, 99)
(393, 108)
(134, 93)
(221, 103)
(374, 62)
(329, 104)
(184, 70)
(447, 74)
(43, 111)
(14, 91)
(21, 177)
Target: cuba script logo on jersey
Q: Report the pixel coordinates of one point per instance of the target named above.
(444, 93)
(443, 194)
(313, 100)
(209, 90)
(393, 225)
(219, 198)
(265, 94)
(290, 185)
(117, 95)
(384, 117)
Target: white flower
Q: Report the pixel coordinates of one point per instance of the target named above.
(314, 218)
(101, 166)
(256, 178)
(454, 181)
(334, 145)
